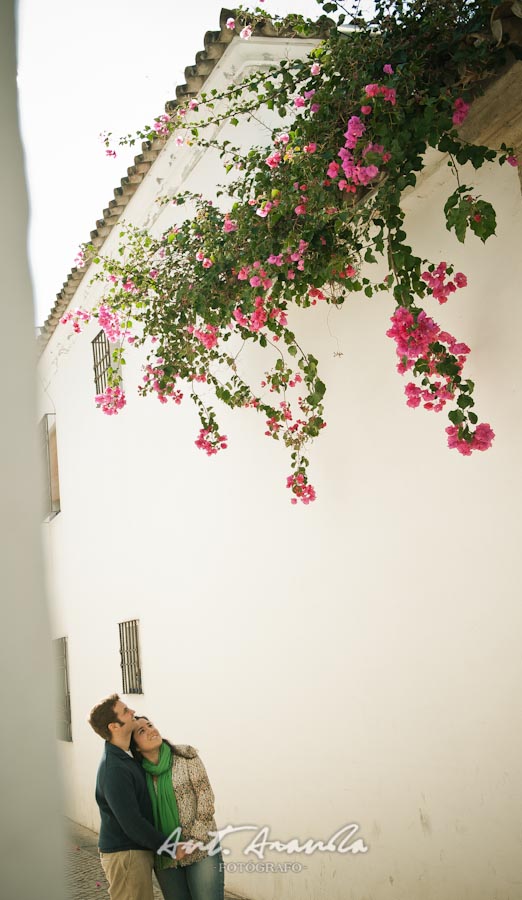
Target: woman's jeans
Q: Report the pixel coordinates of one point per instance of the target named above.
(203, 880)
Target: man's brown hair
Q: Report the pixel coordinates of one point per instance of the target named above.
(102, 715)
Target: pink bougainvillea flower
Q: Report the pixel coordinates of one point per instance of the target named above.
(512, 160)
(387, 69)
(299, 102)
(246, 33)
(482, 439)
(460, 111)
(210, 441)
(282, 138)
(207, 335)
(301, 490)
(310, 148)
(229, 225)
(372, 90)
(273, 160)
(230, 23)
(111, 401)
(366, 110)
(315, 107)
(315, 68)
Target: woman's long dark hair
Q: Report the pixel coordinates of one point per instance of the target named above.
(134, 749)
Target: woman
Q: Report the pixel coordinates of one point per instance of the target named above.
(181, 796)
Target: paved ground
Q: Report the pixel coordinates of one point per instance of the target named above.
(84, 875)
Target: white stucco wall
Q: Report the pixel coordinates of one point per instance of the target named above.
(353, 661)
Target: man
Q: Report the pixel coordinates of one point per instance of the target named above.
(128, 837)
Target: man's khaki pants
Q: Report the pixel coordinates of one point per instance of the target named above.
(129, 873)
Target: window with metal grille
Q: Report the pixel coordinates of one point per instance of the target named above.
(130, 658)
(101, 352)
(51, 482)
(63, 712)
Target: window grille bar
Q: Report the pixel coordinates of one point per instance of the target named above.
(102, 360)
(130, 657)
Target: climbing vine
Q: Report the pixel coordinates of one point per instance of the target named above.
(303, 219)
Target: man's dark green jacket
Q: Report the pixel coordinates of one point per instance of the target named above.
(125, 807)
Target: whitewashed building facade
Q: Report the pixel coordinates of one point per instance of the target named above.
(354, 661)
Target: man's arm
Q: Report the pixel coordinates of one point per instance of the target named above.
(120, 794)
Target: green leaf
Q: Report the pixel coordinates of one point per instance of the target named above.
(456, 416)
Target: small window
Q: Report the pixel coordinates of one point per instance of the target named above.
(63, 717)
(51, 484)
(130, 658)
(101, 352)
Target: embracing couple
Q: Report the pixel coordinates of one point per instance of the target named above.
(147, 788)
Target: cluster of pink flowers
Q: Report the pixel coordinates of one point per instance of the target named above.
(289, 379)
(151, 382)
(208, 335)
(79, 260)
(413, 336)
(246, 33)
(259, 278)
(435, 397)
(436, 281)
(161, 125)
(79, 317)
(481, 439)
(315, 68)
(315, 294)
(205, 261)
(110, 323)
(229, 225)
(381, 90)
(111, 401)
(460, 111)
(263, 210)
(301, 490)
(210, 441)
(301, 100)
(258, 318)
(231, 23)
(418, 339)
(274, 160)
(355, 172)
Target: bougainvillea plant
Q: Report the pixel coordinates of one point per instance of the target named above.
(303, 217)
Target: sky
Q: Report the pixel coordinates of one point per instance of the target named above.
(87, 68)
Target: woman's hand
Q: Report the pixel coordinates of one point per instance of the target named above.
(180, 852)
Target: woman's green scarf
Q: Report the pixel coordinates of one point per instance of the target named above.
(163, 798)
